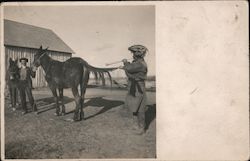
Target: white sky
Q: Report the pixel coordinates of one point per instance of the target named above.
(98, 34)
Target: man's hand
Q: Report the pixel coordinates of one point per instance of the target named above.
(120, 67)
(124, 60)
(34, 68)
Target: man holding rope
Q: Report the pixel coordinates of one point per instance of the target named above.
(136, 99)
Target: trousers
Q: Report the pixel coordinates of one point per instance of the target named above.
(136, 101)
(24, 89)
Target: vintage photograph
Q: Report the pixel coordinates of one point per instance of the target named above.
(80, 81)
(125, 80)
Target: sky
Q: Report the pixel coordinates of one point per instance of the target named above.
(98, 34)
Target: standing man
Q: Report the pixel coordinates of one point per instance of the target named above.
(136, 99)
(26, 85)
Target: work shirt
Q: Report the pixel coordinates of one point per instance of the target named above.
(23, 73)
(25, 76)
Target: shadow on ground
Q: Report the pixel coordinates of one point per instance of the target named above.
(104, 103)
(48, 103)
(150, 115)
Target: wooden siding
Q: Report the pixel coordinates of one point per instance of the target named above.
(19, 52)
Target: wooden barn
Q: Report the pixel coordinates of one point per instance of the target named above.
(23, 40)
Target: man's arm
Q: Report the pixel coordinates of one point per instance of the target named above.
(134, 67)
(32, 73)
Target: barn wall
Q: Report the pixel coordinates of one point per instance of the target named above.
(19, 52)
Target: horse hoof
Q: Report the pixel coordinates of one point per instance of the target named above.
(70, 120)
(76, 120)
(56, 114)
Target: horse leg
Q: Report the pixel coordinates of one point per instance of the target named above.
(53, 90)
(18, 99)
(78, 104)
(11, 105)
(17, 94)
(14, 95)
(11, 101)
(83, 91)
(61, 99)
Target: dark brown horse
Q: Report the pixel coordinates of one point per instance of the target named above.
(69, 74)
(12, 80)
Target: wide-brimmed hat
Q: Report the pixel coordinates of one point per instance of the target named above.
(24, 59)
(138, 50)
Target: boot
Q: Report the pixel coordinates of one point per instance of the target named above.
(24, 109)
(135, 125)
(137, 128)
(140, 131)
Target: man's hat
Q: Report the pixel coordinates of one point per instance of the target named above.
(138, 50)
(24, 59)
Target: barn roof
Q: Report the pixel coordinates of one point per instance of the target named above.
(24, 35)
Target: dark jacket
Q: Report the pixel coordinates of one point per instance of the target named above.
(136, 70)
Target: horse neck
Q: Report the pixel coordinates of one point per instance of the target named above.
(46, 62)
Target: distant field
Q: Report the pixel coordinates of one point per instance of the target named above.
(121, 83)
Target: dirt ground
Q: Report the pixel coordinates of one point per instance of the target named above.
(106, 132)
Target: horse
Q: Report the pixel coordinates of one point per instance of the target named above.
(71, 73)
(12, 80)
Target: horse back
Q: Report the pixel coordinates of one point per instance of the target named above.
(65, 74)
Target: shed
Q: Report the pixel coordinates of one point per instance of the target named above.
(23, 40)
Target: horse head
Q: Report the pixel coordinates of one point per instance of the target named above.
(13, 70)
(38, 56)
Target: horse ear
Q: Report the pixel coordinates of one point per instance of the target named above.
(46, 49)
(41, 47)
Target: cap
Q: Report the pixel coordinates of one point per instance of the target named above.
(24, 59)
(138, 50)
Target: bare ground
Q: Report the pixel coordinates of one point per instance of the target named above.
(106, 132)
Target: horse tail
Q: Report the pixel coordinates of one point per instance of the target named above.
(99, 73)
